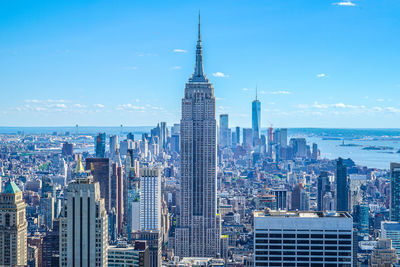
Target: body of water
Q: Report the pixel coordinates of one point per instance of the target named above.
(330, 141)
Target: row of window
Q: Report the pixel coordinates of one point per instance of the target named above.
(314, 253)
(303, 264)
(329, 236)
(302, 241)
(304, 247)
(327, 259)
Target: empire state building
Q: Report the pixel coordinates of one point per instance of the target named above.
(198, 229)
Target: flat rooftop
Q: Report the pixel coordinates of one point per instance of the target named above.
(301, 214)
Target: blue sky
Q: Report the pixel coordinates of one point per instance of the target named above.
(316, 63)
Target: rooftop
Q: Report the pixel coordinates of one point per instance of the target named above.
(301, 214)
(11, 188)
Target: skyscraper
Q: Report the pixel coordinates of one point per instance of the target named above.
(323, 187)
(256, 119)
(395, 192)
(100, 169)
(197, 233)
(302, 239)
(150, 199)
(83, 225)
(100, 145)
(13, 230)
(342, 187)
(224, 132)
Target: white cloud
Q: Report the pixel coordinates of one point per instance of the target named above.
(320, 106)
(279, 93)
(98, 105)
(302, 106)
(245, 89)
(380, 100)
(344, 3)
(321, 75)
(176, 68)
(180, 51)
(79, 106)
(141, 54)
(38, 101)
(220, 74)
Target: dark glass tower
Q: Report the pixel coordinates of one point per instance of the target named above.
(342, 187)
(395, 192)
(256, 119)
(197, 233)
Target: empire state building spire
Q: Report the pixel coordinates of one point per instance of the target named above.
(198, 75)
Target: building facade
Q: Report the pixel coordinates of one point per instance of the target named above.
(303, 239)
(395, 192)
(13, 227)
(342, 187)
(83, 225)
(197, 233)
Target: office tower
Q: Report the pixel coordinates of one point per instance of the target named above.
(133, 204)
(383, 255)
(270, 140)
(100, 145)
(13, 230)
(283, 137)
(281, 198)
(117, 193)
(46, 211)
(302, 239)
(100, 169)
(197, 233)
(315, 152)
(361, 218)
(299, 147)
(237, 131)
(112, 225)
(130, 136)
(150, 199)
(153, 240)
(50, 248)
(342, 187)
(113, 145)
(323, 187)
(163, 134)
(391, 230)
(67, 149)
(224, 132)
(300, 198)
(176, 129)
(83, 224)
(395, 192)
(256, 119)
(247, 138)
(175, 143)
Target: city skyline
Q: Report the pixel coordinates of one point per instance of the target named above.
(313, 68)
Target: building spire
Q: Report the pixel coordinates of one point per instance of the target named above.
(199, 37)
(256, 92)
(198, 74)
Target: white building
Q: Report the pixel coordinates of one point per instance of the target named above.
(302, 239)
(150, 199)
(83, 225)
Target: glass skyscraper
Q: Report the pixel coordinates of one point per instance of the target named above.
(395, 192)
(256, 119)
(100, 145)
(342, 187)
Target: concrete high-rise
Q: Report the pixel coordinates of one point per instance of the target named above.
(256, 119)
(395, 192)
(197, 233)
(303, 239)
(342, 187)
(13, 228)
(150, 199)
(83, 225)
(323, 186)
